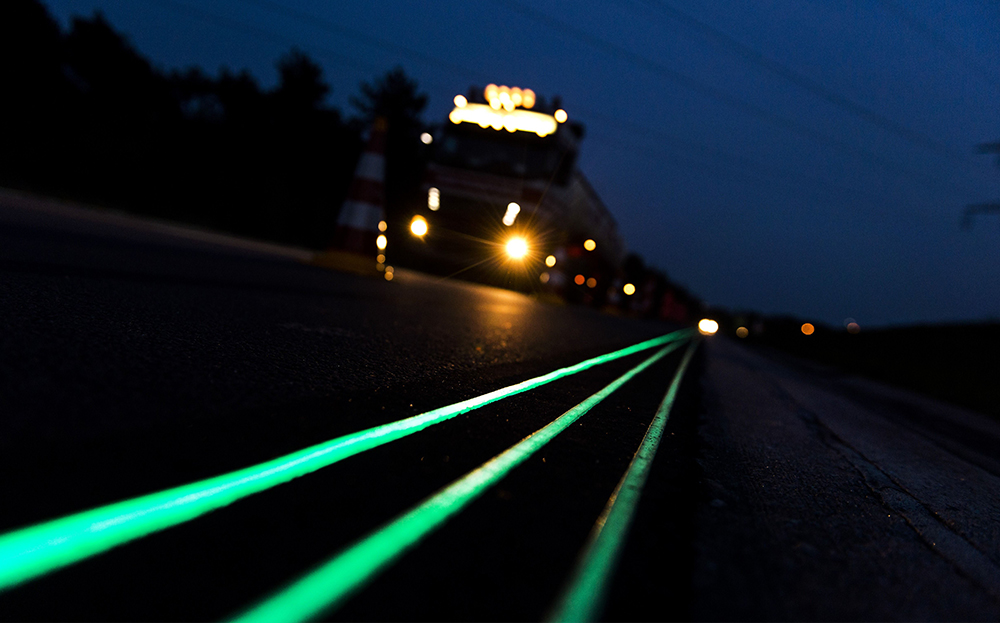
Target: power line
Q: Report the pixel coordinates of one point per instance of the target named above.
(334, 56)
(316, 21)
(940, 42)
(242, 27)
(432, 60)
(717, 154)
(324, 24)
(801, 80)
(713, 92)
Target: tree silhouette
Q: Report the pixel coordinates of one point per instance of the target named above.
(88, 117)
(30, 52)
(395, 98)
(301, 87)
(116, 79)
(34, 90)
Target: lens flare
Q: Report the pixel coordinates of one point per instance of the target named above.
(418, 226)
(517, 247)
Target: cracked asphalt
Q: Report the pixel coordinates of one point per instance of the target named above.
(138, 356)
(836, 498)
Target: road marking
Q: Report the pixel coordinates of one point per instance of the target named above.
(33, 551)
(333, 581)
(583, 598)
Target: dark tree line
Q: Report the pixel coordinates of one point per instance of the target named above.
(85, 116)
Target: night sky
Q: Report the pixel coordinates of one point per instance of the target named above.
(799, 157)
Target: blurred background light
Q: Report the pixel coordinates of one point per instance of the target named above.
(707, 326)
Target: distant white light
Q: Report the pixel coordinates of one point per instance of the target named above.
(707, 326)
(433, 199)
(418, 226)
(511, 215)
(426, 138)
(561, 115)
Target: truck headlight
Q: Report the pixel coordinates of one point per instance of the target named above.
(517, 247)
(418, 226)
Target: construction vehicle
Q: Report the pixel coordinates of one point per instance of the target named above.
(506, 203)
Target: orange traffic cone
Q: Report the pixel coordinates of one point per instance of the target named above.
(358, 223)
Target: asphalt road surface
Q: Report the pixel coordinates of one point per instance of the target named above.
(136, 357)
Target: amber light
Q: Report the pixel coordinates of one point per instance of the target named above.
(517, 247)
(707, 326)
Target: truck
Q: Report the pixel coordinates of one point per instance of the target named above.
(506, 204)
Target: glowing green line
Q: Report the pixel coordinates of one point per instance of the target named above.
(333, 581)
(583, 598)
(30, 552)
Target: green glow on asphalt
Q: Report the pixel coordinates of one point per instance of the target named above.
(583, 598)
(33, 551)
(333, 581)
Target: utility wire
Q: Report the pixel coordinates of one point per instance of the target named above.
(745, 168)
(334, 56)
(325, 24)
(432, 60)
(316, 21)
(709, 91)
(801, 80)
(740, 162)
(942, 44)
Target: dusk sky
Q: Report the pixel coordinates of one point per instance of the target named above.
(787, 156)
